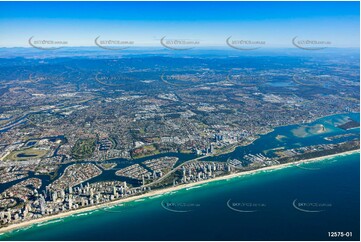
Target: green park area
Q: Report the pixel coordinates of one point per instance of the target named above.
(83, 148)
(26, 154)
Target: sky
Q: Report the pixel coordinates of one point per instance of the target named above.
(210, 23)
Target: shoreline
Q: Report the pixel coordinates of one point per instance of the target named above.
(21, 225)
(236, 146)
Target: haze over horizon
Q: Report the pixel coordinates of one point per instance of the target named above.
(210, 23)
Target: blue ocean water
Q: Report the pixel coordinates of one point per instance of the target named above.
(287, 137)
(294, 203)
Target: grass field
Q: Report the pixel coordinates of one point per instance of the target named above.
(26, 154)
(83, 148)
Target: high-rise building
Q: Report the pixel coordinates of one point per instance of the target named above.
(26, 210)
(46, 192)
(121, 190)
(62, 194)
(8, 215)
(211, 148)
(70, 202)
(42, 204)
(54, 196)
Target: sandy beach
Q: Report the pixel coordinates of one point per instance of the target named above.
(166, 190)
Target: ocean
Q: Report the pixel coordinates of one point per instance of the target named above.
(294, 203)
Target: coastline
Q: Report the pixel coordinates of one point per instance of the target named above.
(167, 190)
(233, 148)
